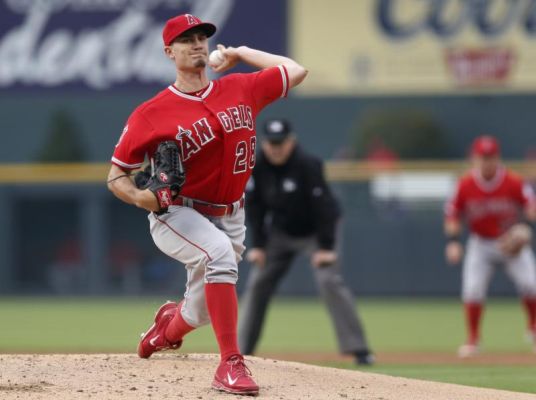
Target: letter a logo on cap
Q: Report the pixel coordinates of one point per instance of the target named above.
(191, 19)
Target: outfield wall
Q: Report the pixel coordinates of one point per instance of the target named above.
(388, 249)
(60, 237)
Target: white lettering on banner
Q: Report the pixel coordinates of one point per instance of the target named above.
(129, 47)
(22, 6)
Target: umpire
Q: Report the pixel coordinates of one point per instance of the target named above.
(290, 209)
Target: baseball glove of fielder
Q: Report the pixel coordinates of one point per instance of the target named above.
(515, 238)
(166, 177)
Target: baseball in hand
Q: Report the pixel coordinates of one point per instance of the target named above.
(215, 58)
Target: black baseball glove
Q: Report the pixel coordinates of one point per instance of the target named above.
(168, 176)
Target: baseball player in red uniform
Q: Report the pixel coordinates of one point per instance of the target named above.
(213, 123)
(497, 205)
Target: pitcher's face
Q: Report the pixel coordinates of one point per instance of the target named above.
(189, 51)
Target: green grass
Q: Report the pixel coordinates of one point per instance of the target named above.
(395, 325)
(437, 325)
(423, 325)
(514, 378)
(114, 324)
(74, 324)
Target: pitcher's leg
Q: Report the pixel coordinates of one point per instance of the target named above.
(193, 240)
(234, 227)
(211, 250)
(208, 254)
(173, 234)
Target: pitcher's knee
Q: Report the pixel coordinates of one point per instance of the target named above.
(222, 266)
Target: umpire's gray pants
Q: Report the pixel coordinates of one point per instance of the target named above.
(281, 250)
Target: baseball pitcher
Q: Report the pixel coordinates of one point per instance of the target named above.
(200, 136)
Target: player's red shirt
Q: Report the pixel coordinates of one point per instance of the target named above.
(490, 207)
(215, 132)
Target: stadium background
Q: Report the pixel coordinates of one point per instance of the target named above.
(397, 91)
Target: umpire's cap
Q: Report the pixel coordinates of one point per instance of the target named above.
(277, 130)
(177, 26)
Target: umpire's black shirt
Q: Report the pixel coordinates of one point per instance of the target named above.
(293, 198)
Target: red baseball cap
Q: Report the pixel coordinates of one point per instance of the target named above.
(178, 25)
(485, 146)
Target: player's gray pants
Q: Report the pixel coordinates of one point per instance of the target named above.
(482, 257)
(281, 250)
(210, 248)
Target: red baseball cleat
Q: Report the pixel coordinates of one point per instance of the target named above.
(232, 376)
(155, 339)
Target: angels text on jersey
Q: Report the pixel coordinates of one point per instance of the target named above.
(232, 119)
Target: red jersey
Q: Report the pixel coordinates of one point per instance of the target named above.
(215, 131)
(490, 207)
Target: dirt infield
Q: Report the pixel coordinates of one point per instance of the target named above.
(179, 376)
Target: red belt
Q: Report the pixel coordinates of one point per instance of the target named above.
(210, 209)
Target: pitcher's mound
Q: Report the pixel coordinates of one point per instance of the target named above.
(181, 376)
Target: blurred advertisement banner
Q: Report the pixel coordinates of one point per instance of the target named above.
(415, 46)
(104, 44)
